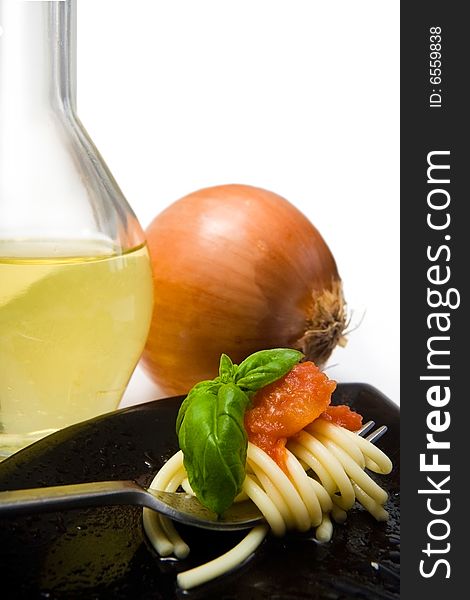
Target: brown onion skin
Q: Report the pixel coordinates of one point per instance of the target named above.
(236, 269)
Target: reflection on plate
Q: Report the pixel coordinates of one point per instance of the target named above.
(102, 553)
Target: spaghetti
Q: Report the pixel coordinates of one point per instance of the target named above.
(325, 476)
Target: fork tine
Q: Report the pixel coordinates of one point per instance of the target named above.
(377, 434)
(365, 428)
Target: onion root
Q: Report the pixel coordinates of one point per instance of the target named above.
(325, 329)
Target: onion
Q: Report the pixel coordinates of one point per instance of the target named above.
(237, 269)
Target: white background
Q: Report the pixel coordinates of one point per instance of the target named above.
(298, 96)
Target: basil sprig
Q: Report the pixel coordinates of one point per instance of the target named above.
(210, 424)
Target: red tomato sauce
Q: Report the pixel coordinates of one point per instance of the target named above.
(283, 408)
(343, 416)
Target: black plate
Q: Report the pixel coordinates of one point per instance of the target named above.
(102, 553)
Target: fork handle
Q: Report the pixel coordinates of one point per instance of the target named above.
(78, 495)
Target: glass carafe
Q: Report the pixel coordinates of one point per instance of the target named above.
(75, 277)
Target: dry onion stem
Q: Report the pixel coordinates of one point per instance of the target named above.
(237, 269)
(325, 328)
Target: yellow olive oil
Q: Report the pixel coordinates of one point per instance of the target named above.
(72, 328)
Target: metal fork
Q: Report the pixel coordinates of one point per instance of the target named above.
(178, 506)
(375, 435)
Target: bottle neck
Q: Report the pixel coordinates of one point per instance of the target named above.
(37, 58)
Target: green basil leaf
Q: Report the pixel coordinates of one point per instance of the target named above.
(227, 369)
(210, 384)
(264, 367)
(214, 442)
